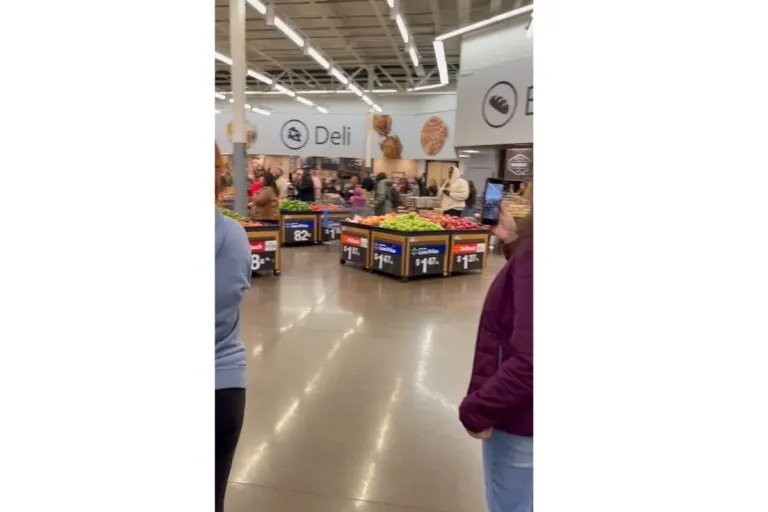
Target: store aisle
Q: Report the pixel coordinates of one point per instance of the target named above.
(353, 384)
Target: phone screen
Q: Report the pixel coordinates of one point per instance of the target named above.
(494, 193)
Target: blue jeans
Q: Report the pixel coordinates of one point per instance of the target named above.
(508, 472)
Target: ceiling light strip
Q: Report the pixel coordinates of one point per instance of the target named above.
(485, 22)
(283, 25)
(289, 32)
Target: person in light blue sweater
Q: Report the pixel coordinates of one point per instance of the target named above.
(233, 278)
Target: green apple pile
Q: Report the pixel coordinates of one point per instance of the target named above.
(233, 215)
(293, 205)
(410, 222)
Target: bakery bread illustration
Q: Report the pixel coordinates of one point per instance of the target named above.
(391, 147)
(434, 133)
(382, 124)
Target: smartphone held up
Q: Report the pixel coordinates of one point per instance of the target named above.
(492, 197)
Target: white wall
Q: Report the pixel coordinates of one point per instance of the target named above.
(350, 104)
(504, 41)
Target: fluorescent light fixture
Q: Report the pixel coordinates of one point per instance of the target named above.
(315, 91)
(391, 4)
(426, 87)
(223, 58)
(401, 26)
(231, 100)
(259, 76)
(262, 111)
(321, 109)
(485, 22)
(414, 56)
(355, 89)
(285, 90)
(218, 111)
(247, 106)
(376, 108)
(442, 64)
(318, 58)
(470, 151)
(256, 4)
(463, 155)
(220, 96)
(288, 31)
(341, 77)
(304, 101)
(378, 91)
(367, 100)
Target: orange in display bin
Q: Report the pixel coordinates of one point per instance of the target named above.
(263, 245)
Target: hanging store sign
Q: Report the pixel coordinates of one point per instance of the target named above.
(330, 135)
(495, 105)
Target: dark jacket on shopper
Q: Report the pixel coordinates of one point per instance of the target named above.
(305, 189)
(501, 387)
(368, 184)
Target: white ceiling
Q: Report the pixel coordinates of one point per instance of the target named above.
(357, 35)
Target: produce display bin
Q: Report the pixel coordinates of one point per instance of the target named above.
(468, 251)
(407, 254)
(330, 224)
(299, 227)
(355, 244)
(265, 247)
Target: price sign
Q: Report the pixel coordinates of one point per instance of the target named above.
(354, 249)
(468, 256)
(299, 231)
(263, 255)
(331, 231)
(388, 257)
(427, 258)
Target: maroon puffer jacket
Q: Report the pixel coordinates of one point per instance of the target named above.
(501, 388)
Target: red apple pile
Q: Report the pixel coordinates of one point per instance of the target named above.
(453, 223)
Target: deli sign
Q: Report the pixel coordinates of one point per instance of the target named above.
(304, 135)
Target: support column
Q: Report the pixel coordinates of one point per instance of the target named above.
(369, 133)
(239, 70)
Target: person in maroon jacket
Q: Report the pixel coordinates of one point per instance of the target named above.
(498, 407)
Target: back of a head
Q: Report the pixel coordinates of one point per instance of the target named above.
(381, 176)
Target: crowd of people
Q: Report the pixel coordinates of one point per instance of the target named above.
(268, 185)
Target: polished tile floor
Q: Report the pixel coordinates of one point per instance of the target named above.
(353, 384)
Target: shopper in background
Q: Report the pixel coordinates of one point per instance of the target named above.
(350, 188)
(281, 182)
(233, 277)
(382, 197)
(318, 185)
(305, 187)
(368, 184)
(498, 407)
(469, 209)
(255, 184)
(405, 186)
(266, 202)
(453, 194)
(432, 189)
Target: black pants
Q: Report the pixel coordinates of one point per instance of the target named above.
(456, 212)
(230, 409)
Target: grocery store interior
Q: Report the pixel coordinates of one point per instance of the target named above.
(367, 286)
